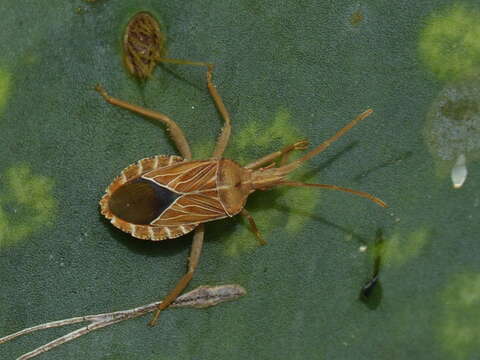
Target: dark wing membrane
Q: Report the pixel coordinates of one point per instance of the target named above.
(141, 201)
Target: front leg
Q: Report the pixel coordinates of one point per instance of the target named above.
(299, 145)
(185, 279)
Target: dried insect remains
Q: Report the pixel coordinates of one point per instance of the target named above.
(143, 45)
(164, 197)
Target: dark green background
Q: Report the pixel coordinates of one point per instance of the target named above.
(305, 57)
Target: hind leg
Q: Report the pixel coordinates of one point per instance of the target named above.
(193, 259)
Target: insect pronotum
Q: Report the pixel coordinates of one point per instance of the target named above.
(164, 197)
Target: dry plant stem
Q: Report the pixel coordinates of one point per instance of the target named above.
(201, 297)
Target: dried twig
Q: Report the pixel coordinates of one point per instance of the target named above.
(201, 297)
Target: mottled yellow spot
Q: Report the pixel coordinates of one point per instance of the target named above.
(5, 79)
(26, 204)
(459, 328)
(264, 134)
(399, 248)
(449, 43)
(282, 208)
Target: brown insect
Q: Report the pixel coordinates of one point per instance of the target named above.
(164, 197)
(143, 44)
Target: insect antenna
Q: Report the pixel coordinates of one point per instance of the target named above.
(339, 188)
(266, 178)
(323, 146)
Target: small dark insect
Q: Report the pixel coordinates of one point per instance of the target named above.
(371, 292)
(369, 287)
(164, 197)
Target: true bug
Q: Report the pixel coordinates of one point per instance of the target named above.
(164, 197)
(143, 45)
(371, 292)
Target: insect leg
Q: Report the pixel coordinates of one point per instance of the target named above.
(253, 226)
(222, 141)
(299, 145)
(183, 62)
(175, 132)
(185, 279)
